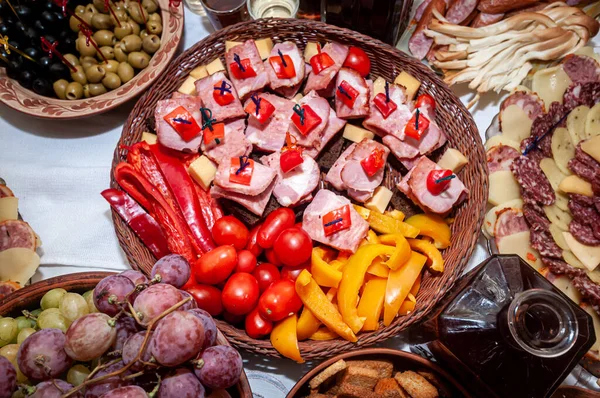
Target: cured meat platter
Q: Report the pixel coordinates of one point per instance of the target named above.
(330, 163)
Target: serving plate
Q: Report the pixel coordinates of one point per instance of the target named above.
(386, 61)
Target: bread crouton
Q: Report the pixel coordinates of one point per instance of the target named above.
(348, 390)
(416, 385)
(389, 388)
(361, 377)
(384, 369)
(326, 374)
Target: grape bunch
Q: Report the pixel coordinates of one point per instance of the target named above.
(129, 337)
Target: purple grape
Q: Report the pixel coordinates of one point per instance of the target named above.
(111, 290)
(42, 355)
(181, 384)
(131, 348)
(96, 390)
(8, 378)
(209, 326)
(48, 389)
(126, 392)
(90, 336)
(219, 367)
(172, 269)
(178, 337)
(190, 305)
(135, 276)
(155, 300)
(126, 326)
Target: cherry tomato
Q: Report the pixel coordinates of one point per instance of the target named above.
(252, 243)
(279, 301)
(272, 257)
(274, 224)
(216, 265)
(257, 327)
(233, 319)
(229, 230)
(208, 298)
(425, 100)
(293, 247)
(293, 272)
(246, 261)
(358, 60)
(240, 293)
(266, 274)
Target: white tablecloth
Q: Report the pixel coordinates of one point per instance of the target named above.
(57, 169)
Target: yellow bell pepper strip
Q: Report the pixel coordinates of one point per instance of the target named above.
(324, 334)
(397, 214)
(433, 226)
(416, 286)
(410, 297)
(307, 325)
(388, 225)
(343, 256)
(372, 237)
(332, 294)
(371, 303)
(285, 340)
(402, 252)
(362, 211)
(316, 301)
(407, 307)
(337, 264)
(352, 279)
(435, 261)
(378, 268)
(324, 274)
(398, 285)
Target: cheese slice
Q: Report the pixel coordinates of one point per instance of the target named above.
(519, 244)
(576, 123)
(501, 140)
(310, 51)
(552, 172)
(558, 237)
(18, 264)
(410, 83)
(503, 187)
(559, 217)
(515, 124)
(562, 149)
(188, 87)
(550, 84)
(589, 52)
(592, 122)
(563, 283)
(9, 208)
(215, 66)
(264, 47)
(150, 138)
(588, 255)
(453, 160)
(592, 147)
(199, 72)
(380, 200)
(575, 184)
(356, 134)
(492, 215)
(203, 171)
(570, 259)
(230, 44)
(378, 86)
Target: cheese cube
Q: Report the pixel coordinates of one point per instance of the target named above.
(149, 138)
(203, 171)
(574, 184)
(199, 72)
(215, 66)
(453, 160)
(310, 51)
(380, 200)
(588, 255)
(188, 87)
(410, 83)
(9, 206)
(378, 86)
(356, 134)
(230, 44)
(592, 147)
(264, 47)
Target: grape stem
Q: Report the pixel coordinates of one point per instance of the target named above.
(119, 372)
(102, 366)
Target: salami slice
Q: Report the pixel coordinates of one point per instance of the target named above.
(500, 157)
(542, 241)
(583, 233)
(485, 19)
(584, 213)
(531, 104)
(509, 222)
(581, 69)
(580, 169)
(588, 289)
(557, 266)
(460, 10)
(581, 94)
(16, 233)
(532, 180)
(535, 216)
(597, 203)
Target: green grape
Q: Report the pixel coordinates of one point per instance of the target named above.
(52, 298)
(24, 333)
(50, 319)
(10, 352)
(89, 298)
(20, 393)
(73, 306)
(77, 375)
(9, 330)
(24, 322)
(87, 294)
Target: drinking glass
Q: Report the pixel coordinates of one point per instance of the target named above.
(222, 13)
(273, 8)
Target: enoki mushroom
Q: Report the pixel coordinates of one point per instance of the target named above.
(499, 56)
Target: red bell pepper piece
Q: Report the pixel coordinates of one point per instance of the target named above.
(241, 68)
(283, 66)
(320, 61)
(425, 101)
(384, 103)
(183, 123)
(144, 226)
(211, 210)
(305, 119)
(346, 93)
(290, 159)
(337, 220)
(223, 94)
(241, 170)
(214, 135)
(372, 163)
(259, 108)
(417, 125)
(439, 180)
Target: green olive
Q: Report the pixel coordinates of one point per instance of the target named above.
(135, 27)
(131, 43)
(104, 37)
(154, 27)
(60, 88)
(87, 17)
(111, 81)
(91, 8)
(85, 49)
(101, 21)
(125, 72)
(151, 44)
(155, 17)
(95, 73)
(79, 9)
(97, 89)
(108, 52)
(144, 33)
(120, 55)
(74, 24)
(86, 91)
(122, 16)
(124, 30)
(79, 76)
(119, 5)
(110, 66)
(73, 60)
(74, 91)
(138, 59)
(88, 61)
(150, 5)
(100, 5)
(137, 13)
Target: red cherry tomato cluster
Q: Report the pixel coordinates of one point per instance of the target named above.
(241, 279)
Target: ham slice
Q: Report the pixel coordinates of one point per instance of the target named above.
(312, 222)
(410, 148)
(234, 143)
(414, 185)
(334, 126)
(270, 136)
(321, 107)
(361, 106)
(261, 179)
(205, 88)
(247, 50)
(289, 92)
(395, 122)
(334, 176)
(167, 135)
(321, 81)
(290, 49)
(255, 204)
(292, 187)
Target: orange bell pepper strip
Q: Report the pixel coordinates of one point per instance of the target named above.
(307, 325)
(353, 278)
(402, 252)
(378, 268)
(417, 285)
(337, 265)
(397, 214)
(324, 274)
(435, 261)
(362, 211)
(432, 226)
(399, 284)
(389, 225)
(324, 334)
(343, 257)
(316, 301)
(285, 339)
(372, 237)
(371, 303)
(407, 307)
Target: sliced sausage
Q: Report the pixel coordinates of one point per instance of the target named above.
(419, 44)
(461, 10)
(498, 6)
(484, 19)
(16, 233)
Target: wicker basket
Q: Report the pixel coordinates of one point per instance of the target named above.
(452, 117)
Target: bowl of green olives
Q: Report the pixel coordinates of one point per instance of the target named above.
(97, 54)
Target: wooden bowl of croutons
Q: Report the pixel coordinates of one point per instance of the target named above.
(378, 372)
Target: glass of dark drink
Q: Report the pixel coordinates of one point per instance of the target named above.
(222, 13)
